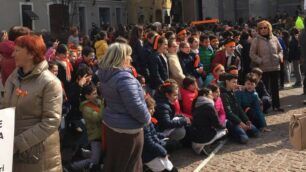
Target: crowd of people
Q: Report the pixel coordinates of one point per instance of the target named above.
(128, 101)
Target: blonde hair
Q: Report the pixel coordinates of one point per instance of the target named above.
(115, 56)
(264, 23)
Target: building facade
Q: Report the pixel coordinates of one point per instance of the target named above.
(58, 15)
(243, 9)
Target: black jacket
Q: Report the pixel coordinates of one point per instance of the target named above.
(164, 113)
(205, 121)
(187, 63)
(144, 60)
(74, 94)
(262, 90)
(153, 145)
(245, 56)
(137, 52)
(158, 70)
(294, 50)
(232, 108)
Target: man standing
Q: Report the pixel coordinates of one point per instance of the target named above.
(302, 41)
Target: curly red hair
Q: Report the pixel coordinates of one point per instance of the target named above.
(35, 46)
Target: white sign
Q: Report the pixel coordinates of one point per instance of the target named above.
(7, 126)
(304, 4)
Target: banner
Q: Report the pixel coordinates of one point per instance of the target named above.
(304, 4)
(7, 126)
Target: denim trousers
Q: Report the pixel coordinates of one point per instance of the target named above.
(240, 134)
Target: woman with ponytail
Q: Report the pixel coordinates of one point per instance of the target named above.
(158, 63)
(170, 124)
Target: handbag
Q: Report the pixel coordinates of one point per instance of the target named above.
(297, 131)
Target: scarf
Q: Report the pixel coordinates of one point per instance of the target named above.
(68, 66)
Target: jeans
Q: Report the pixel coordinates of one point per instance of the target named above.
(239, 134)
(94, 158)
(297, 71)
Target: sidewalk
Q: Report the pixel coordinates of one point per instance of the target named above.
(270, 152)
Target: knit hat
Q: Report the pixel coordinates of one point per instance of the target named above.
(7, 48)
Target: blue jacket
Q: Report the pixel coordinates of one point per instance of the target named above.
(124, 98)
(249, 99)
(153, 145)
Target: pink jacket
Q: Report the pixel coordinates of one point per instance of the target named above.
(220, 110)
(50, 54)
(187, 99)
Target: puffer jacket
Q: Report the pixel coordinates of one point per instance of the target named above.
(124, 98)
(266, 53)
(153, 145)
(38, 101)
(165, 112)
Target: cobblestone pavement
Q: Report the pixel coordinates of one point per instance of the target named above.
(271, 152)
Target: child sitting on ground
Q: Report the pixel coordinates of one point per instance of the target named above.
(238, 124)
(218, 103)
(188, 93)
(205, 128)
(169, 123)
(262, 91)
(250, 102)
(154, 154)
(91, 109)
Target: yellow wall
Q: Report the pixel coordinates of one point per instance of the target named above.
(149, 7)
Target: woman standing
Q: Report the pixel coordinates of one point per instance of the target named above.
(137, 47)
(125, 113)
(37, 95)
(266, 52)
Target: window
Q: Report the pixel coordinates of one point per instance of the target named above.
(104, 15)
(118, 16)
(26, 15)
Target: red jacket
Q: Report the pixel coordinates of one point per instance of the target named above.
(220, 58)
(7, 64)
(187, 99)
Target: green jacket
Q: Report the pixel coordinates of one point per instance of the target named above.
(206, 57)
(92, 114)
(233, 110)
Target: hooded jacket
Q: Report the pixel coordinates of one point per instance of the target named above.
(205, 120)
(124, 98)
